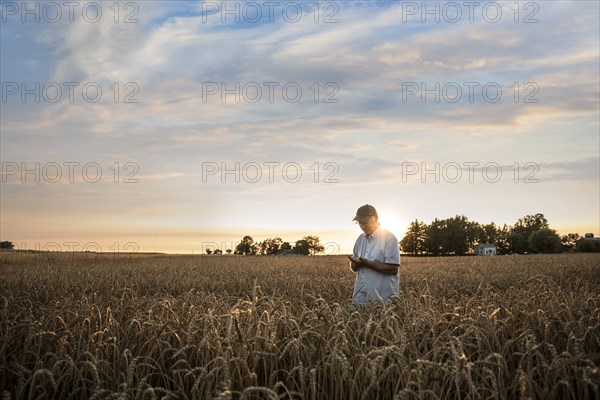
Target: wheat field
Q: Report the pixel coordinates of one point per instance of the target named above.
(88, 326)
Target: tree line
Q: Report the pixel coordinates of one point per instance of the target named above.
(308, 245)
(459, 236)
(451, 236)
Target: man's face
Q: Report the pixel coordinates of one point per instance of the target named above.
(369, 226)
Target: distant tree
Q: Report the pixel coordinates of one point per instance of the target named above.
(218, 251)
(588, 245)
(302, 247)
(228, 251)
(414, 239)
(459, 235)
(314, 245)
(472, 231)
(209, 251)
(285, 248)
(523, 228)
(488, 233)
(435, 237)
(271, 246)
(452, 237)
(544, 240)
(246, 246)
(570, 240)
(262, 247)
(503, 240)
(491, 233)
(7, 245)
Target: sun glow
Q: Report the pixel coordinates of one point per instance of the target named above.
(393, 222)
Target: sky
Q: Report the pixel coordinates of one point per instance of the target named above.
(176, 126)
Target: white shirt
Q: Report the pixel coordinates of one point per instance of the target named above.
(372, 285)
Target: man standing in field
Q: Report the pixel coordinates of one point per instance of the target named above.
(375, 259)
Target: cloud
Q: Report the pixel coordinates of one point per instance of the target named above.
(585, 169)
(369, 57)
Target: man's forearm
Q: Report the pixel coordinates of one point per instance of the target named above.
(381, 267)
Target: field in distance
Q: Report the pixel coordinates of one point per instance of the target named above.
(82, 326)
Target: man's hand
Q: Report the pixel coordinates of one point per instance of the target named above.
(357, 260)
(356, 263)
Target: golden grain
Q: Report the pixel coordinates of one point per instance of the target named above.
(227, 327)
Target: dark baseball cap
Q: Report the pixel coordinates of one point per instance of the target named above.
(365, 212)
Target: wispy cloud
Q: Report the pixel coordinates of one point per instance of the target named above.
(367, 62)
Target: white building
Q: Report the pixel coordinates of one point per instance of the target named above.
(485, 249)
